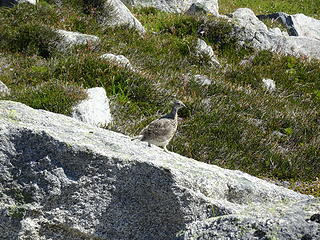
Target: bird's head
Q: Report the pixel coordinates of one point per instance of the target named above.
(178, 104)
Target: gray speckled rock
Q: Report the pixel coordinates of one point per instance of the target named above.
(251, 31)
(70, 39)
(120, 16)
(297, 24)
(118, 60)
(62, 179)
(176, 6)
(306, 26)
(95, 109)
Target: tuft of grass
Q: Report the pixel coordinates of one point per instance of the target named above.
(30, 40)
(50, 96)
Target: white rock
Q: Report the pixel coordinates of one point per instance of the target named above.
(175, 6)
(121, 16)
(202, 80)
(70, 39)
(11, 3)
(4, 90)
(306, 26)
(204, 50)
(118, 60)
(95, 109)
(251, 31)
(269, 84)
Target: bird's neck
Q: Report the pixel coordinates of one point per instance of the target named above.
(173, 114)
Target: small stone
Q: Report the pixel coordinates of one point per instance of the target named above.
(202, 80)
(118, 60)
(4, 90)
(95, 109)
(203, 50)
(269, 84)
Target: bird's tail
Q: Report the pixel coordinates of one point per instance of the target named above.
(137, 137)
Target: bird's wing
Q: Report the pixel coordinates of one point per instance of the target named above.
(159, 127)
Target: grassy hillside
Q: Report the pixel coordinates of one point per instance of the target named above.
(234, 122)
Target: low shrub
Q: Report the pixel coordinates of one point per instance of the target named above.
(51, 96)
(30, 39)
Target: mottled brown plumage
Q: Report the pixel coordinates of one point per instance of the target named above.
(160, 131)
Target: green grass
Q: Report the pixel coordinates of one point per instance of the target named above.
(308, 7)
(234, 122)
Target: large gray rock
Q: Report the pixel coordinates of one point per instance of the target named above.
(70, 39)
(95, 109)
(119, 15)
(62, 179)
(297, 24)
(253, 32)
(176, 6)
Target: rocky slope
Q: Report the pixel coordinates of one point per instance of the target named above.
(63, 179)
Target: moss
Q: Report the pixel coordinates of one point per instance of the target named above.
(20, 196)
(17, 212)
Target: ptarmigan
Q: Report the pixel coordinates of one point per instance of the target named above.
(160, 131)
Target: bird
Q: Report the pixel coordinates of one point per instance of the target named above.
(160, 131)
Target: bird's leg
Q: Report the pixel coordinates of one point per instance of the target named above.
(149, 144)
